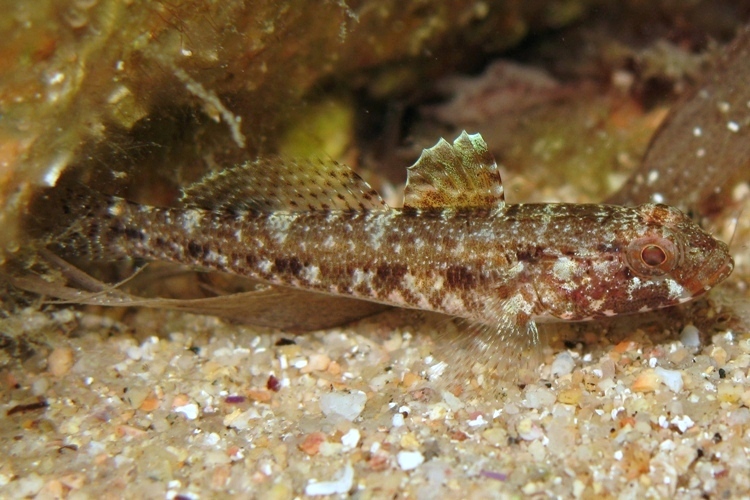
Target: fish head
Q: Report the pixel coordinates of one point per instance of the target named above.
(656, 257)
(673, 251)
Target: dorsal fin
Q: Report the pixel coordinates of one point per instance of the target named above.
(280, 184)
(463, 175)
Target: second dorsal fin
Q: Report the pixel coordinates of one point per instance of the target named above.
(279, 184)
(462, 175)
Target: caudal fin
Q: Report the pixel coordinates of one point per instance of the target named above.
(68, 218)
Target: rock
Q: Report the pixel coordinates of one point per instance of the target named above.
(346, 405)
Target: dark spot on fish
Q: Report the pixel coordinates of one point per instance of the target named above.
(528, 254)
(291, 265)
(251, 260)
(194, 249)
(502, 292)
(133, 234)
(93, 230)
(627, 274)
(390, 274)
(459, 277)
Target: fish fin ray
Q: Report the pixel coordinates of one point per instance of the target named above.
(268, 306)
(271, 184)
(506, 349)
(489, 356)
(462, 175)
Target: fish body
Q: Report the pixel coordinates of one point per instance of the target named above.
(455, 247)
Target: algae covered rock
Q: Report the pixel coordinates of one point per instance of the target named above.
(128, 91)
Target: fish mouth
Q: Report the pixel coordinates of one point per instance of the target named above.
(716, 270)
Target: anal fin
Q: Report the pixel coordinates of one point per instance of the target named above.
(287, 309)
(283, 308)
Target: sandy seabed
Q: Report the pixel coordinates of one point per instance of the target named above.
(180, 406)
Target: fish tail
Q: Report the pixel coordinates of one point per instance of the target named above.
(67, 219)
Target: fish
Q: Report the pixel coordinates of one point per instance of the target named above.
(314, 228)
(699, 156)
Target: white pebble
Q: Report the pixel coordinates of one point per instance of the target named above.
(409, 460)
(134, 353)
(398, 420)
(346, 405)
(690, 336)
(670, 378)
(329, 449)
(318, 363)
(40, 386)
(299, 363)
(562, 365)
(379, 382)
(538, 397)
(667, 445)
(350, 440)
(241, 420)
(529, 430)
(28, 486)
(190, 411)
(683, 423)
(477, 422)
(452, 401)
(341, 483)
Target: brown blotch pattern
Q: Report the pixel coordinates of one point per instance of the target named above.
(459, 277)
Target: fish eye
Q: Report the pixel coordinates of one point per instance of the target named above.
(652, 256)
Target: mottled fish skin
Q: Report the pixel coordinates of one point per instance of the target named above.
(455, 247)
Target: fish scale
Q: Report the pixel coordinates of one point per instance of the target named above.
(455, 247)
